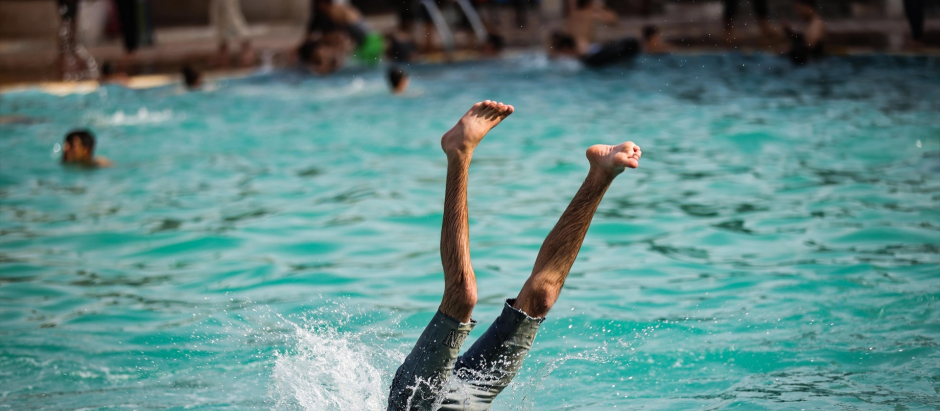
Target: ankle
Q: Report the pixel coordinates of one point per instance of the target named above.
(459, 154)
(602, 176)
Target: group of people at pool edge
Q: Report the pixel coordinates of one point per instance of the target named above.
(577, 40)
(338, 32)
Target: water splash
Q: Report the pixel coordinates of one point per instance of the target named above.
(143, 116)
(328, 368)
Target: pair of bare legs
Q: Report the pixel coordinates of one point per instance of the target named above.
(560, 248)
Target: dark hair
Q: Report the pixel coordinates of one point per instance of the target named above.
(306, 50)
(496, 41)
(84, 136)
(107, 69)
(191, 76)
(810, 3)
(583, 3)
(649, 31)
(406, 19)
(396, 75)
(562, 41)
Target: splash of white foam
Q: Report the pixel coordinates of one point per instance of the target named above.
(331, 370)
(143, 116)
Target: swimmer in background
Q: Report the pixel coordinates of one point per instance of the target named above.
(109, 76)
(621, 50)
(494, 46)
(321, 55)
(808, 44)
(192, 78)
(490, 364)
(79, 149)
(398, 80)
(578, 41)
(653, 42)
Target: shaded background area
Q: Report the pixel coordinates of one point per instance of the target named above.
(28, 28)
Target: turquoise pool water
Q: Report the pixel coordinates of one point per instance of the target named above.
(273, 243)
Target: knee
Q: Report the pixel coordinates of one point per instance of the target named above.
(459, 303)
(536, 301)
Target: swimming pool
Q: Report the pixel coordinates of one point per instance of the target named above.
(273, 243)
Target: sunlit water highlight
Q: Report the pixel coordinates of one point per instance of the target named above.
(273, 243)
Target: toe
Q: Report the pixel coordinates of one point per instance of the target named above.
(625, 160)
(632, 163)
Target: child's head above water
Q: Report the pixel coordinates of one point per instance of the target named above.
(398, 79)
(79, 147)
(192, 78)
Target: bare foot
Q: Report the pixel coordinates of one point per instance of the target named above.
(612, 160)
(473, 126)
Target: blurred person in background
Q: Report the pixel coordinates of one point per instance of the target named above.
(653, 42)
(760, 12)
(583, 18)
(229, 22)
(136, 28)
(494, 46)
(427, 45)
(402, 47)
(321, 55)
(914, 10)
(806, 45)
(79, 149)
(74, 62)
(110, 76)
(192, 78)
(597, 56)
(398, 80)
(338, 19)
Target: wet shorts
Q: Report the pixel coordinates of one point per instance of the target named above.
(433, 376)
